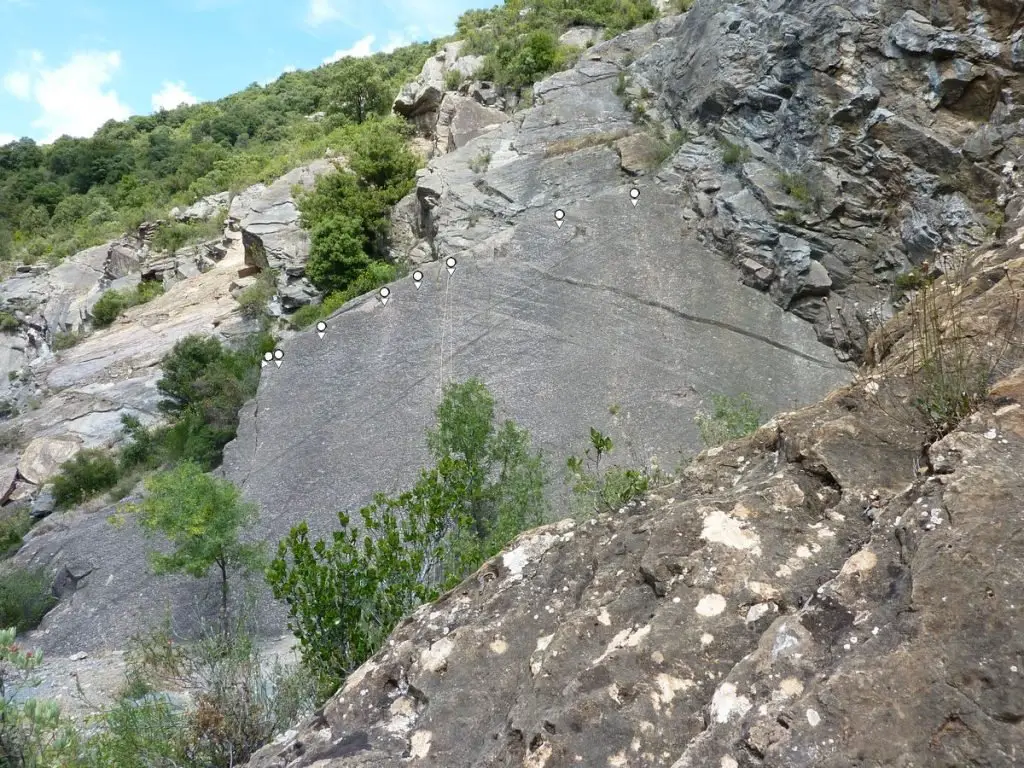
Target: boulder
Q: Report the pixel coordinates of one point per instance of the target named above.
(203, 209)
(43, 457)
(272, 237)
(639, 153)
(485, 93)
(462, 119)
(581, 37)
(44, 503)
(8, 478)
(420, 100)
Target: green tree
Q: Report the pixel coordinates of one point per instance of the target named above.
(32, 733)
(202, 516)
(346, 594)
(358, 90)
(336, 256)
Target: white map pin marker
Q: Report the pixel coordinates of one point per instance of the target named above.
(559, 217)
(267, 359)
(450, 263)
(278, 357)
(385, 294)
(321, 328)
(634, 195)
(417, 277)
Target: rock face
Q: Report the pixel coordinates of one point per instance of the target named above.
(75, 399)
(268, 218)
(449, 119)
(874, 137)
(821, 594)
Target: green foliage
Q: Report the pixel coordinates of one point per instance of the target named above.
(520, 43)
(26, 595)
(14, 524)
(348, 212)
(88, 473)
(734, 154)
(682, 6)
(112, 304)
(345, 595)
(202, 516)
(175, 235)
(481, 162)
(32, 734)
(452, 80)
(732, 418)
(75, 193)
(204, 385)
(796, 186)
(9, 322)
(597, 491)
(66, 339)
(252, 302)
(376, 274)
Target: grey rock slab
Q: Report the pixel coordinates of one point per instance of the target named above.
(636, 306)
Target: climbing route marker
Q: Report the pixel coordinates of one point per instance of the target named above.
(267, 359)
(417, 277)
(559, 217)
(321, 329)
(385, 294)
(278, 357)
(450, 263)
(634, 196)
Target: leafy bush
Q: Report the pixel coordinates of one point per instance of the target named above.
(14, 524)
(90, 472)
(345, 595)
(32, 734)
(595, 491)
(520, 48)
(176, 235)
(252, 302)
(109, 307)
(112, 304)
(66, 339)
(732, 418)
(9, 322)
(452, 80)
(26, 595)
(348, 213)
(204, 385)
(376, 274)
(202, 516)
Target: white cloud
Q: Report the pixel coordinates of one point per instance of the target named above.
(321, 12)
(7, 138)
(74, 98)
(362, 47)
(395, 42)
(19, 84)
(172, 95)
(290, 68)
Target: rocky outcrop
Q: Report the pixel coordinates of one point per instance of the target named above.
(834, 589)
(448, 118)
(268, 218)
(868, 138)
(203, 209)
(421, 99)
(76, 398)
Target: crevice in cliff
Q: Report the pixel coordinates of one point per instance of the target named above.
(687, 316)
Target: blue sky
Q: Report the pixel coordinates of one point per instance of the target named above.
(68, 66)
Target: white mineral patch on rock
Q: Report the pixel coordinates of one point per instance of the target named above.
(711, 605)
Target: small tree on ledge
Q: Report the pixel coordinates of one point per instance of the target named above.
(202, 516)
